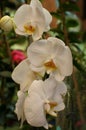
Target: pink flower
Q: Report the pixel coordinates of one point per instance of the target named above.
(17, 56)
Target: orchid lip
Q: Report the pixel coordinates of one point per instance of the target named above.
(29, 29)
(50, 64)
(50, 109)
(53, 104)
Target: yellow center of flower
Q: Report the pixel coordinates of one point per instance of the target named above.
(52, 104)
(49, 108)
(50, 65)
(29, 29)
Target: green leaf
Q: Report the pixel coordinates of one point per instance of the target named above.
(56, 15)
(6, 61)
(71, 23)
(74, 37)
(70, 6)
(5, 74)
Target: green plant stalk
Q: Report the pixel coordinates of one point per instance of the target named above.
(7, 46)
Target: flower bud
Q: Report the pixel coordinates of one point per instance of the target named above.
(6, 23)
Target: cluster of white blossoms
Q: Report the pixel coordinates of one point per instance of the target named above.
(38, 95)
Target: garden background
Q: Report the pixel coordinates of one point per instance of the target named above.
(69, 25)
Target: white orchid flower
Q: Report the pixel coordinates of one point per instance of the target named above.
(19, 109)
(23, 75)
(44, 97)
(32, 20)
(51, 56)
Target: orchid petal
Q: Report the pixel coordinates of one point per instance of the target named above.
(43, 96)
(48, 19)
(23, 75)
(58, 98)
(64, 56)
(52, 49)
(36, 3)
(50, 85)
(39, 70)
(34, 112)
(24, 18)
(19, 110)
(18, 31)
(39, 31)
(32, 14)
(61, 88)
(39, 50)
(58, 76)
(37, 87)
(60, 107)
